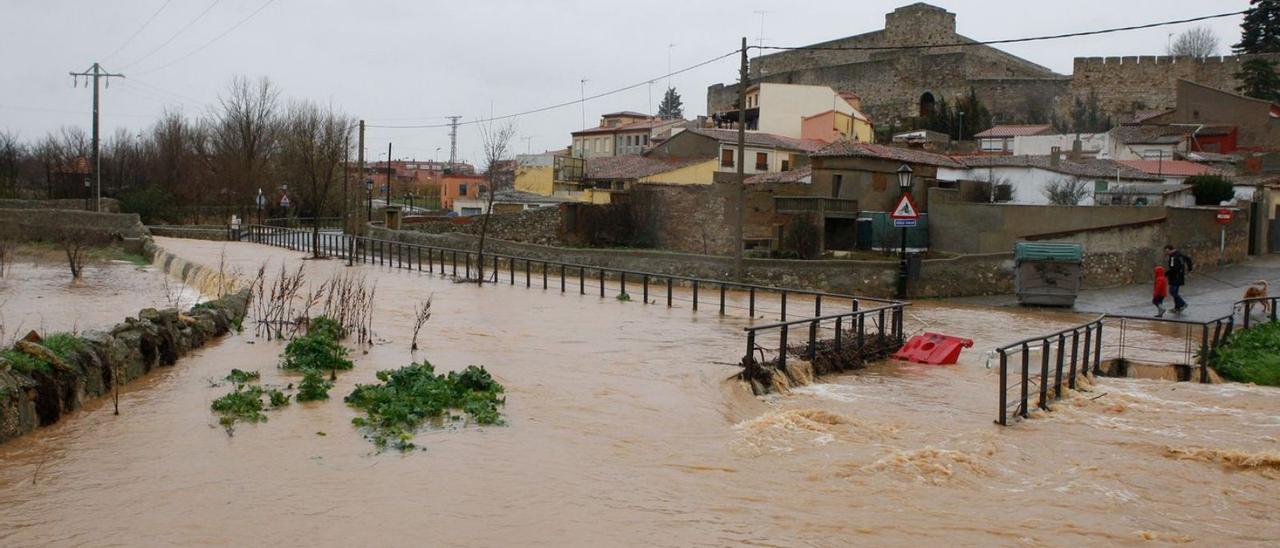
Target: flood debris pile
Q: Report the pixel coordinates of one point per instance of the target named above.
(408, 398)
(798, 369)
(43, 378)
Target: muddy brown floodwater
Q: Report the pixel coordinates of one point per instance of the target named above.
(624, 430)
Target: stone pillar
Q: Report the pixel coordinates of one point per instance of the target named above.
(394, 215)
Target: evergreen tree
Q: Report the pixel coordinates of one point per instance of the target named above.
(976, 116)
(671, 107)
(1261, 28)
(1258, 79)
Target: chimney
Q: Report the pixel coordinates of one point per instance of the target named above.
(1077, 150)
(1055, 156)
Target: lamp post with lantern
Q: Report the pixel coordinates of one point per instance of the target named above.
(368, 189)
(262, 202)
(904, 184)
(87, 193)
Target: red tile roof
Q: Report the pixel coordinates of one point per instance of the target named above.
(849, 149)
(1015, 131)
(1085, 167)
(634, 166)
(1172, 168)
(758, 139)
(633, 126)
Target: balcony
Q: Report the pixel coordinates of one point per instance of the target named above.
(817, 205)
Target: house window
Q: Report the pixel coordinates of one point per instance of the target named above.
(786, 164)
(726, 157)
(462, 189)
(762, 161)
(837, 181)
(646, 140)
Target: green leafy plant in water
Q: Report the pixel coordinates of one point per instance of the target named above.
(1251, 355)
(278, 398)
(315, 351)
(238, 376)
(244, 404)
(410, 396)
(325, 327)
(313, 386)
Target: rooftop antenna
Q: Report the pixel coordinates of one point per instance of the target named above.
(669, 48)
(760, 39)
(583, 89)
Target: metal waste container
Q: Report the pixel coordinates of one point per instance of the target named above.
(1048, 274)
(864, 231)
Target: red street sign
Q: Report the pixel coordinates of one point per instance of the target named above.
(1224, 216)
(284, 201)
(906, 209)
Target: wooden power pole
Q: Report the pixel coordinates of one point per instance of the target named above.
(740, 211)
(360, 169)
(96, 72)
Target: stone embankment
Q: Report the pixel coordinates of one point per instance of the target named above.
(49, 384)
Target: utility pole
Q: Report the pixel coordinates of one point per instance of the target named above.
(453, 140)
(741, 198)
(388, 175)
(669, 47)
(582, 88)
(96, 71)
(360, 167)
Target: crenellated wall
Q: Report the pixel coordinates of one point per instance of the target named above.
(1127, 84)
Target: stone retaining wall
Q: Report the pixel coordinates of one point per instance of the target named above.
(49, 225)
(216, 233)
(109, 205)
(131, 349)
(950, 277)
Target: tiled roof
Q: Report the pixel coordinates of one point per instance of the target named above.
(633, 126)
(1172, 168)
(792, 176)
(1015, 131)
(633, 166)
(850, 149)
(1088, 167)
(758, 139)
(630, 113)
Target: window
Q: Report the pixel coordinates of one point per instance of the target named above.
(726, 157)
(837, 182)
(470, 211)
(646, 140)
(786, 164)
(762, 161)
(992, 145)
(462, 189)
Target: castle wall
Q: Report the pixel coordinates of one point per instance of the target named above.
(1127, 84)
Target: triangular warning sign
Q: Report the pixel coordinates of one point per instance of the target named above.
(906, 209)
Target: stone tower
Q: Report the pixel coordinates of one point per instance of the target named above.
(919, 23)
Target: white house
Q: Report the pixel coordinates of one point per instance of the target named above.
(1031, 176)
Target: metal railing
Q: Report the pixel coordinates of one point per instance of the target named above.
(1085, 353)
(1199, 341)
(847, 328)
(1246, 306)
(325, 223)
(653, 287)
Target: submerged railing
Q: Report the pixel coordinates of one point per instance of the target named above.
(1080, 350)
(848, 328)
(1246, 307)
(857, 311)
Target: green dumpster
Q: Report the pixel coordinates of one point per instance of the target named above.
(1048, 273)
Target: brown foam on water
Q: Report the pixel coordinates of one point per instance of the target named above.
(1157, 537)
(778, 430)
(1265, 461)
(930, 465)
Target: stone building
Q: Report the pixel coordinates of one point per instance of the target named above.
(898, 84)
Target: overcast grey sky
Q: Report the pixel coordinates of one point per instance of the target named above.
(414, 61)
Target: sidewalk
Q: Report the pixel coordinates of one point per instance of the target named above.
(1209, 293)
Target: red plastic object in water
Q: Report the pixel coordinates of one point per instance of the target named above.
(933, 349)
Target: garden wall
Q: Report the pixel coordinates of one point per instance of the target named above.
(109, 205)
(49, 225)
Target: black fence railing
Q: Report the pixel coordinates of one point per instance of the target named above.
(1246, 308)
(1078, 352)
(651, 288)
(881, 324)
(325, 223)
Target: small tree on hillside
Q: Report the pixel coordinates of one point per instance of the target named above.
(671, 107)
(1199, 42)
(1211, 189)
(1258, 79)
(1260, 31)
(499, 173)
(1066, 191)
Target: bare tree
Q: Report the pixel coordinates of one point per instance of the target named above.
(420, 317)
(313, 141)
(495, 142)
(75, 243)
(11, 153)
(1198, 42)
(1066, 191)
(243, 136)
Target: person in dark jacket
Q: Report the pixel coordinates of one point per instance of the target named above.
(1177, 266)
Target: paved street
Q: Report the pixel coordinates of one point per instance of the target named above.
(1209, 293)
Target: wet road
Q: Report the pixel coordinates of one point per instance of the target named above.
(624, 430)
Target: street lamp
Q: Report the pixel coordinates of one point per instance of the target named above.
(87, 185)
(262, 201)
(904, 184)
(409, 195)
(368, 188)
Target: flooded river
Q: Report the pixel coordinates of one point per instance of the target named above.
(625, 430)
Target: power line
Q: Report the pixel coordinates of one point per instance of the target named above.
(175, 35)
(135, 34)
(210, 42)
(564, 104)
(1008, 40)
(170, 93)
(77, 112)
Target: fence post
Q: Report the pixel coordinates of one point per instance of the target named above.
(721, 298)
(1044, 375)
(1057, 375)
(813, 341)
(782, 350)
(751, 303)
(562, 277)
(455, 263)
(668, 291)
(1026, 371)
(582, 280)
(817, 305)
(751, 347)
(1097, 349)
(544, 275)
(601, 283)
(622, 282)
(1075, 348)
(839, 320)
(527, 266)
(1204, 354)
(695, 294)
(466, 255)
(646, 288)
(784, 305)
(1004, 388)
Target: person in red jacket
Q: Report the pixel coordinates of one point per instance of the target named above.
(1160, 292)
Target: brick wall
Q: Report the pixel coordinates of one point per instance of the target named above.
(539, 226)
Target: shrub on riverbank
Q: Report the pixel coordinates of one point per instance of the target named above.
(410, 396)
(1252, 355)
